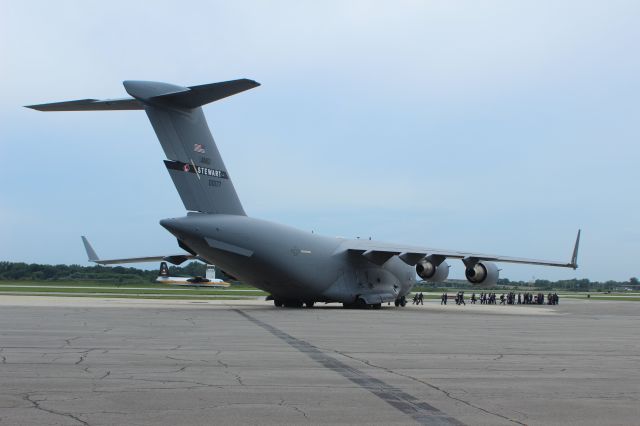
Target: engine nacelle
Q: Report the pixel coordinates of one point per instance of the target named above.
(485, 273)
(430, 270)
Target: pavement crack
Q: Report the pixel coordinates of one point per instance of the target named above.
(283, 403)
(299, 411)
(238, 379)
(35, 403)
(443, 391)
(83, 356)
(69, 340)
(178, 359)
(194, 384)
(105, 375)
(499, 357)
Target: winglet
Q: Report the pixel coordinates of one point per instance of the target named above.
(574, 257)
(91, 253)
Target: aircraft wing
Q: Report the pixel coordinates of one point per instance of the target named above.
(379, 253)
(175, 259)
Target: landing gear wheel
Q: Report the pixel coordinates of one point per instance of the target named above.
(361, 304)
(396, 302)
(376, 306)
(403, 301)
(293, 304)
(278, 303)
(309, 304)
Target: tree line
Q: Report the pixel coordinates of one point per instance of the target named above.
(18, 271)
(543, 285)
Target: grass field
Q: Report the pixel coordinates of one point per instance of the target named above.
(150, 290)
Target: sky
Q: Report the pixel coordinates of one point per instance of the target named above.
(496, 126)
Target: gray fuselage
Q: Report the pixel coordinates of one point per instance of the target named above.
(289, 263)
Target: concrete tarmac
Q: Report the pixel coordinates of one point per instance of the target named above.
(83, 361)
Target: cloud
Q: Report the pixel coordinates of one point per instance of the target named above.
(453, 124)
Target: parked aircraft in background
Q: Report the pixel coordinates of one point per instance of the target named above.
(296, 267)
(209, 280)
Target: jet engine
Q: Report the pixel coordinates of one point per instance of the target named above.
(485, 273)
(432, 269)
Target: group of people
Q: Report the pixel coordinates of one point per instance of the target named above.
(491, 299)
(533, 299)
(418, 299)
(485, 298)
(459, 298)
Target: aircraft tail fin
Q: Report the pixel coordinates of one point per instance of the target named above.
(211, 272)
(164, 269)
(193, 160)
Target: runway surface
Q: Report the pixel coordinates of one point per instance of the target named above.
(76, 361)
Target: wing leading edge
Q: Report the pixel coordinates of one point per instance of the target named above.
(380, 253)
(175, 259)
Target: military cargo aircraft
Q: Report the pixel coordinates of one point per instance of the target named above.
(296, 267)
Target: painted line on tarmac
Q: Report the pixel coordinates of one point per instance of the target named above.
(421, 412)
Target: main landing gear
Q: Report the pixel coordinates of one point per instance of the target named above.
(280, 303)
(401, 301)
(360, 303)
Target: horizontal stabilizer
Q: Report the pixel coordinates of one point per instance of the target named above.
(196, 96)
(154, 93)
(90, 105)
